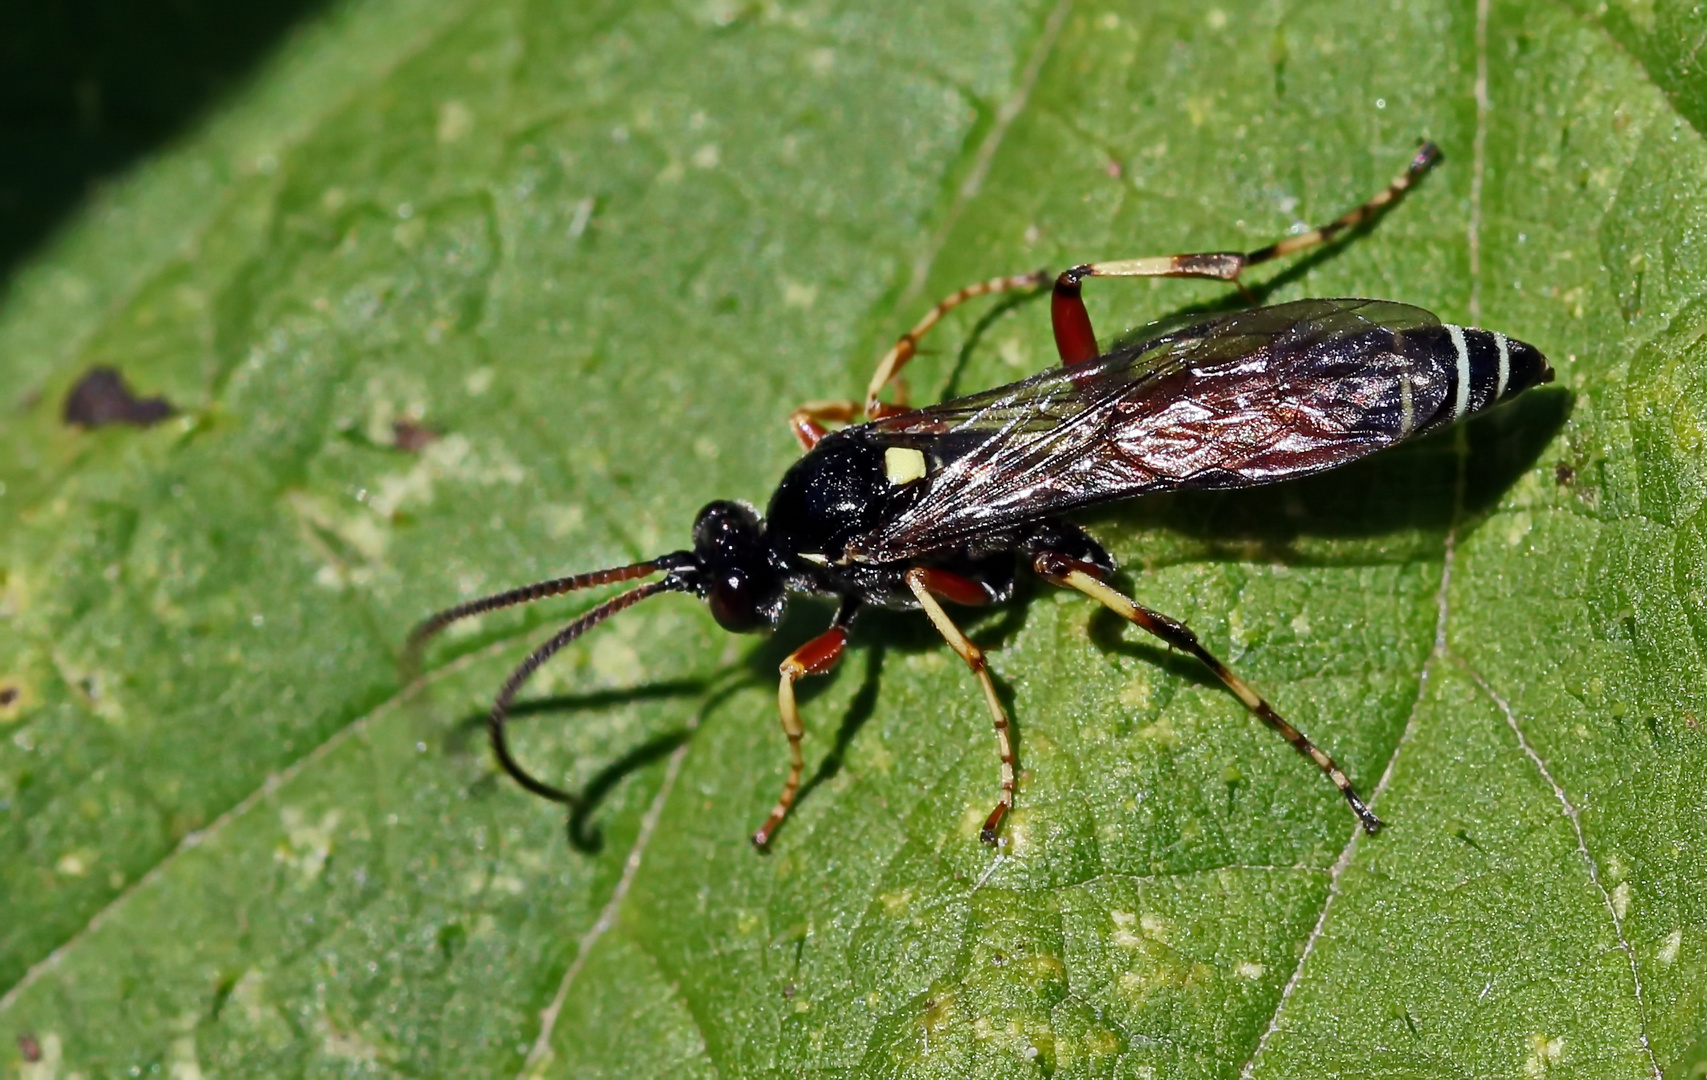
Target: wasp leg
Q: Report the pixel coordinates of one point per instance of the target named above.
(807, 422)
(927, 585)
(896, 358)
(1088, 580)
(1076, 341)
(816, 657)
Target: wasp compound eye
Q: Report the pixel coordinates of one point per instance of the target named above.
(734, 605)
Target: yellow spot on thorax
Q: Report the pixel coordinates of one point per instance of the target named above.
(903, 465)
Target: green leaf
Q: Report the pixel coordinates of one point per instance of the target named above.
(599, 251)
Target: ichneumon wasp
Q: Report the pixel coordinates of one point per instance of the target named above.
(909, 508)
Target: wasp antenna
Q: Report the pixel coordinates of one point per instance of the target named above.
(501, 707)
(527, 594)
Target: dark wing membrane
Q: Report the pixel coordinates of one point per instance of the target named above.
(1227, 401)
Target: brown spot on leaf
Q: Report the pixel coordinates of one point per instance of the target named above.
(8, 694)
(102, 397)
(411, 437)
(28, 1047)
(1564, 474)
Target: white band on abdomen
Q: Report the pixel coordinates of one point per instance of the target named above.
(1461, 403)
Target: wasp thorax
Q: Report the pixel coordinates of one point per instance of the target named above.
(844, 488)
(742, 589)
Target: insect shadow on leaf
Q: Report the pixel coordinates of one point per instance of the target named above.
(584, 834)
(975, 337)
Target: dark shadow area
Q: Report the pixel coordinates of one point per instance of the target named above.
(466, 737)
(1007, 303)
(588, 838)
(461, 739)
(1110, 633)
(87, 87)
(858, 712)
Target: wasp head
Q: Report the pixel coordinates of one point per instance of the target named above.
(743, 589)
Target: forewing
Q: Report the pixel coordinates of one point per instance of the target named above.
(1226, 401)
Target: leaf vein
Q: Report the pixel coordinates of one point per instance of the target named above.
(540, 1052)
(1439, 649)
(1571, 812)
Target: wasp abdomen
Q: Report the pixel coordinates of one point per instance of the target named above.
(1482, 367)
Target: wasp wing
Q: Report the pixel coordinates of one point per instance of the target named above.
(1224, 401)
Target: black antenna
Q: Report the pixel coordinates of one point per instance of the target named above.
(527, 594)
(501, 707)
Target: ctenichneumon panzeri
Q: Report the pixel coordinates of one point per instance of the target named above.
(911, 508)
